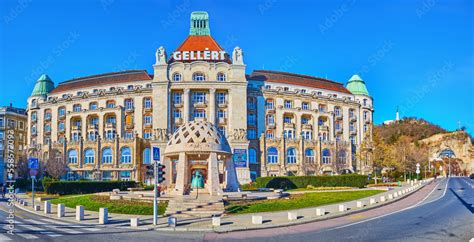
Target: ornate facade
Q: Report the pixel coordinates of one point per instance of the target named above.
(275, 123)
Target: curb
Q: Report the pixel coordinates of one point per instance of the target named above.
(323, 218)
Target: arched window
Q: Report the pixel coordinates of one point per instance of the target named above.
(221, 77)
(125, 155)
(309, 156)
(89, 156)
(291, 156)
(107, 156)
(326, 156)
(272, 155)
(271, 119)
(76, 108)
(146, 156)
(33, 116)
(93, 105)
(72, 156)
(177, 77)
(199, 76)
(252, 156)
(34, 103)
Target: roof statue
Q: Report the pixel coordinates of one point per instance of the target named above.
(160, 56)
(237, 56)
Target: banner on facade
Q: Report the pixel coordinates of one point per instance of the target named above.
(240, 158)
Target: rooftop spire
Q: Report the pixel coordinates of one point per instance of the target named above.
(199, 24)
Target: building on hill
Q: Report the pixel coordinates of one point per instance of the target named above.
(276, 123)
(397, 119)
(454, 145)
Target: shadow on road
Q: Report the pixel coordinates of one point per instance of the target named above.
(467, 205)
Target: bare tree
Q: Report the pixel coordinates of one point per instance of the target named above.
(55, 164)
(22, 167)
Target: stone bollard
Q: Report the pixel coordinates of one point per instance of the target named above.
(25, 203)
(134, 222)
(20, 202)
(103, 215)
(399, 193)
(257, 219)
(372, 201)
(395, 194)
(411, 183)
(360, 204)
(47, 207)
(320, 212)
(79, 212)
(37, 208)
(216, 221)
(61, 210)
(292, 215)
(342, 208)
(382, 199)
(390, 196)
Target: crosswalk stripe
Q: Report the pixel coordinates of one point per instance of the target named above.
(34, 228)
(70, 225)
(4, 238)
(17, 232)
(66, 230)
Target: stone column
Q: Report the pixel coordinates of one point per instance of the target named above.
(213, 175)
(212, 105)
(231, 175)
(186, 105)
(182, 174)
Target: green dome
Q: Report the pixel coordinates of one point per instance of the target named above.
(43, 86)
(357, 86)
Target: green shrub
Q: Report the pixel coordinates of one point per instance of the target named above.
(249, 187)
(293, 182)
(84, 187)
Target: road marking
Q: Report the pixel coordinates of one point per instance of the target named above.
(66, 230)
(388, 214)
(70, 225)
(4, 238)
(34, 228)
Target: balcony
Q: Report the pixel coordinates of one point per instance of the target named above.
(353, 118)
(339, 131)
(270, 110)
(367, 121)
(178, 105)
(200, 104)
(62, 117)
(148, 125)
(76, 128)
(129, 109)
(110, 125)
(271, 126)
(289, 125)
(93, 127)
(353, 131)
(307, 126)
(47, 131)
(222, 120)
(200, 119)
(324, 128)
(339, 116)
(178, 121)
(222, 104)
(129, 126)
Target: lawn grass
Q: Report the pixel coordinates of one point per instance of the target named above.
(321, 189)
(94, 202)
(313, 199)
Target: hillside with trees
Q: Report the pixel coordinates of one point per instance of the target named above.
(413, 129)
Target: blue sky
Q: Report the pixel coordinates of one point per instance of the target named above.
(414, 54)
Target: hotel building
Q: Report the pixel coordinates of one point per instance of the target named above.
(276, 123)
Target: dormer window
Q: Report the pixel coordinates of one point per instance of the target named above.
(198, 76)
(130, 87)
(76, 107)
(221, 77)
(93, 106)
(177, 77)
(286, 89)
(79, 93)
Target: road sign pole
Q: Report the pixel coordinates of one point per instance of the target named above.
(33, 190)
(155, 188)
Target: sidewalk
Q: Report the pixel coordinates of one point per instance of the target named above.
(228, 222)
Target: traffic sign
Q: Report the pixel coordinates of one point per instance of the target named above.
(33, 163)
(33, 173)
(156, 153)
(417, 171)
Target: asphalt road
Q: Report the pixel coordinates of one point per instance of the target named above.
(445, 214)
